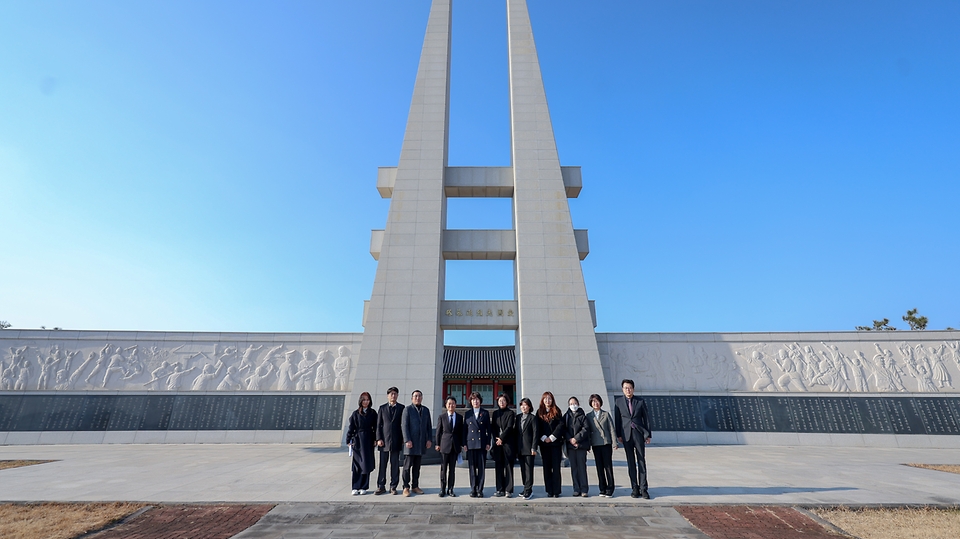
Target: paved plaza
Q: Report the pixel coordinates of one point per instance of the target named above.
(302, 473)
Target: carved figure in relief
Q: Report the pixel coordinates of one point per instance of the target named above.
(63, 381)
(341, 369)
(835, 366)
(158, 374)
(116, 365)
(175, 378)
(101, 359)
(287, 372)
(76, 374)
(916, 365)
(6, 377)
(133, 364)
(304, 374)
(256, 380)
(324, 378)
(23, 376)
(207, 375)
(232, 381)
(790, 377)
(857, 365)
(697, 360)
(764, 379)
(892, 371)
(940, 374)
(249, 357)
(48, 368)
(954, 350)
(677, 372)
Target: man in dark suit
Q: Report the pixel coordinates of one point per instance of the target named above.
(632, 424)
(450, 440)
(477, 421)
(390, 441)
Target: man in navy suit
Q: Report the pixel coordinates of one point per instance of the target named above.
(450, 440)
(477, 421)
(632, 424)
(390, 441)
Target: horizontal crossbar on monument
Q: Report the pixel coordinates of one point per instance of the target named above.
(479, 181)
(480, 244)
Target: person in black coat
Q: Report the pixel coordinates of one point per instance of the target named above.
(632, 423)
(417, 427)
(528, 436)
(503, 430)
(449, 442)
(577, 439)
(361, 437)
(551, 443)
(477, 432)
(390, 441)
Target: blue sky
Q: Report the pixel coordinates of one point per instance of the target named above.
(211, 166)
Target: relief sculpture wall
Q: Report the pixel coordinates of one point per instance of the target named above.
(132, 361)
(927, 362)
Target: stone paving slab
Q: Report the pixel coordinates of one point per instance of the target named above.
(469, 520)
(743, 522)
(252, 473)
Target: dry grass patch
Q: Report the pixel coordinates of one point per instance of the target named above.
(952, 468)
(908, 523)
(4, 464)
(59, 520)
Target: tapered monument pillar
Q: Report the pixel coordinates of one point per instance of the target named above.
(556, 344)
(402, 340)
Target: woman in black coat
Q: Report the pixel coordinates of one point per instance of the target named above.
(578, 443)
(362, 438)
(551, 443)
(503, 430)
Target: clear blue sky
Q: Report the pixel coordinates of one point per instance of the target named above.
(211, 166)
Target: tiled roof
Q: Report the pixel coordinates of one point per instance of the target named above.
(479, 361)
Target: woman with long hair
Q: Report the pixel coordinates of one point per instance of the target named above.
(503, 430)
(551, 443)
(362, 438)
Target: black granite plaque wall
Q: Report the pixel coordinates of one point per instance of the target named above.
(780, 413)
(720, 414)
(61, 414)
(807, 414)
(329, 412)
(872, 414)
(244, 414)
(288, 412)
(903, 415)
(186, 412)
(936, 415)
(127, 411)
(9, 411)
(839, 416)
(674, 413)
(156, 412)
(96, 412)
(756, 414)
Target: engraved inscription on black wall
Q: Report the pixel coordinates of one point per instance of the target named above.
(127, 411)
(674, 413)
(9, 409)
(840, 416)
(720, 414)
(97, 411)
(903, 415)
(61, 414)
(780, 413)
(756, 414)
(807, 414)
(186, 412)
(287, 412)
(244, 414)
(156, 412)
(872, 414)
(936, 416)
(329, 414)
(33, 409)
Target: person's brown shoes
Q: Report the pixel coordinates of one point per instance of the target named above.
(416, 490)
(406, 492)
(380, 491)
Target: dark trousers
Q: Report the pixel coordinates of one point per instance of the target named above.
(636, 464)
(552, 455)
(448, 470)
(526, 472)
(360, 480)
(392, 458)
(411, 463)
(477, 459)
(504, 471)
(578, 470)
(603, 454)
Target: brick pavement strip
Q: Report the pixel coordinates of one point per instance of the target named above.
(754, 522)
(188, 522)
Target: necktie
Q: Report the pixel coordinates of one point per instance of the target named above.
(451, 421)
(630, 405)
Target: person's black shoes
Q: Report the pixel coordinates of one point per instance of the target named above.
(443, 494)
(379, 491)
(498, 494)
(635, 493)
(451, 494)
(645, 495)
(473, 494)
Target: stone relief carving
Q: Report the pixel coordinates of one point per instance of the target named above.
(188, 366)
(835, 367)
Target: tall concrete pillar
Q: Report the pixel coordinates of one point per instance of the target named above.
(556, 344)
(402, 340)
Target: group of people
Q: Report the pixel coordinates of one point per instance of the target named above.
(510, 436)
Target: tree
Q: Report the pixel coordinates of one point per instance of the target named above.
(879, 325)
(4, 324)
(918, 323)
